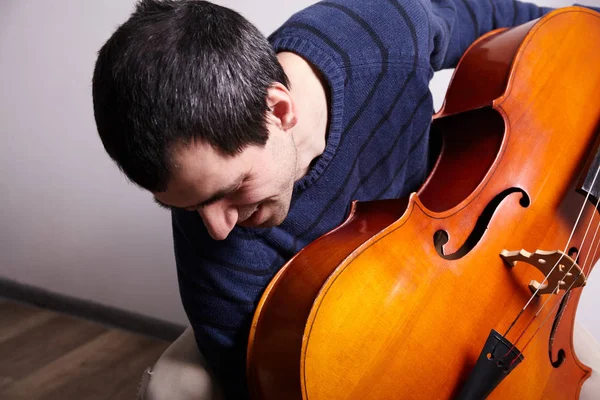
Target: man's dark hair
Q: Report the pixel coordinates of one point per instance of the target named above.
(177, 72)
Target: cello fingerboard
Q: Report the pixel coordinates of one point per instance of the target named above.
(590, 184)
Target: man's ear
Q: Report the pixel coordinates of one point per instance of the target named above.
(282, 107)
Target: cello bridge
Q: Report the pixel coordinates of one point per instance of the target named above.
(566, 273)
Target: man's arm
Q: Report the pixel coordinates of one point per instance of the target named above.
(456, 24)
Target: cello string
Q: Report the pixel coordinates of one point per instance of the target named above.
(558, 261)
(582, 271)
(513, 323)
(595, 252)
(549, 314)
(569, 270)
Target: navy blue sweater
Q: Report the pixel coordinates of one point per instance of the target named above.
(378, 57)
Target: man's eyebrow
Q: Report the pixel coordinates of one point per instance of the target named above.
(215, 197)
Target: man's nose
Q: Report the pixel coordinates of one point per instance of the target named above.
(219, 220)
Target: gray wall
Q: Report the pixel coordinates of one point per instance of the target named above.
(69, 221)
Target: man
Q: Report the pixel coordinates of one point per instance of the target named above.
(258, 146)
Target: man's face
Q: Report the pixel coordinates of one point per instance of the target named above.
(252, 189)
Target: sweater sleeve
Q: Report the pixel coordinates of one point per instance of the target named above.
(456, 24)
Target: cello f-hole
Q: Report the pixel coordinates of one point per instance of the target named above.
(440, 238)
(560, 355)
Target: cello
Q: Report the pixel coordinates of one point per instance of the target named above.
(468, 288)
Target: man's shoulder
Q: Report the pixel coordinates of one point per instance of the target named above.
(361, 29)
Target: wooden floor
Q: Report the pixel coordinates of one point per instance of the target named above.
(50, 356)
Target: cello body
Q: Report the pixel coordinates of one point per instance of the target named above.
(398, 301)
